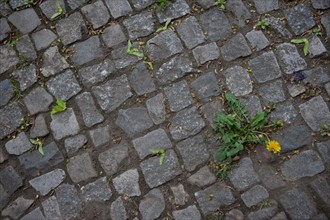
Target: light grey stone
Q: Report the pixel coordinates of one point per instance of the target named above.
(152, 204)
(280, 216)
(53, 62)
(180, 195)
(299, 18)
(141, 80)
(64, 124)
(316, 76)
(321, 186)
(316, 47)
(238, 12)
(321, 4)
(99, 190)
(139, 25)
(238, 81)
(51, 208)
(81, 168)
(49, 8)
(25, 20)
(252, 104)
(210, 110)
(285, 112)
(270, 177)
(17, 207)
(74, 4)
(118, 8)
(43, 38)
(324, 149)
(35, 214)
(8, 58)
(272, 92)
(265, 213)
(100, 136)
(234, 214)
(113, 35)
(289, 58)
(68, 201)
(140, 4)
(96, 13)
(191, 32)
(39, 128)
(206, 3)
(73, 144)
(38, 100)
(5, 28)
(47, 182)
(10, 180)
(174, 10)
(94, 48)
(117, 210)
(254, 195)
(26, 77)
(205, 53)
(7, 91)
(191, 212)
(202, 177)
(19, 145)
(257, 40)
(278, 26)
(25, 47)
(127, 183)
(122, 59)
(156, 108)
(263, 7)
(178, 96)
(10, 115)
(91, 115)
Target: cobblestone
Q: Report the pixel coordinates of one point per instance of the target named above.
(191, 212)
(91, 115)
(324, 149)
(316, 76)
(80, 168)
(263, 7)
(205, 53)
(113, 35)
(92, 45)
(254, 195)
(118, 8)
(238, 81)
(25, 20)
(8, 58)
(239, 13)
(235, 47)
(316, 47)
(38, 100)
(141, 80)
(257, 40)
(64, 124)
(10, 180)
(289, 58)
(47, 182)
(202, 177)
(178, 96)
(98, 190)
(17, 207)
(34, 214)
(26, 77)
(299, 18)
(68, 200)
(51, 208)
(7, 91)
(177, 9)
(96, 13)
(70, 29)
(191, 32)
(139, 25)
(284, 111)
(206, 86)
(127, 183)
(53, 62)
(25, 47)
(156, 108)
(43, 38)
(152, 205)
(73, 144)
(180, 195)
(5, 29)
(10, 116)
(117, 210)
(272, 92)
(49, 8)
(19, 145)
(322, 188)
(100, 136)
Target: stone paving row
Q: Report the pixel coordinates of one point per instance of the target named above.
(97, 162)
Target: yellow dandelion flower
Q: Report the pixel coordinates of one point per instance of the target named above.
(273, 146)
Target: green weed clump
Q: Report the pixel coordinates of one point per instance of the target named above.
(236, 131)
(160, 5)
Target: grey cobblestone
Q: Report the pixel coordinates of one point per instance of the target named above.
(141, 80)
(5, 28)
(49, 8)
(178, 96)
(46, 182)
(98, 190)
(238, 81)
(100, 136)
(68, 200)
(53, 62)
(10, 116)
(38, 100)
(152, 205)
(180, 195)
(118, 8)
(87, 107)
(206, 86)
(238, 12)
(316, 76)
(8, 58)
(96, 13)
(272, 92)
(64, 124)
(139, 25)
(25, 47)
(191, 212)
(51, 208)
(19, 145)
(25, 20)
(156, 108)
(113, 35)
(80, 168)
(191, 32)
(205, 53)
(117, 210)
(10, 180)
(92, 45)
(26, 77)
(324, 149)
(289, 58)
(17, 207)
(127, 183)
(257, 40)
(299, 18)
(235, 47)
(7, 91)
(177, 9)
(70, 29)
(73, 144)
(254, 195)
(263, 7)
(34, 214)
(202, 177)
(43, 38)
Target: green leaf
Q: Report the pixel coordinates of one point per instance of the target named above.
(155, 151)
(34, 142)
(164, 27)
(150, 65)
(161, 159)
(221, 155)
(259, 118)
(298, 40)
(133, 51)
(58, 13)
(129, 46)
(41, 150)
(306, 47)
(60, 106)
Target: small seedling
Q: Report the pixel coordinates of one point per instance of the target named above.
(162, 4)
(25, 123)
(150, 65)
(221, 4)
(164, 28)
(263, 24)
(220, 169)
(16, 87)
(38, 145)
(134, 51)
(30, 3)
(160, 153)
(60, 106)
(59, 11)
(300, 41)
(317, 32)
(325, 131)
(264, 204)
(12, 39)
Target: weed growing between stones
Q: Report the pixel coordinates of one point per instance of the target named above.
(134, 51)
(263, 24)
(164, 28)
(160, 153)
(236, 131)
(162, 4)
(300, 41)
(38, 145)
(59, 11)
(221, 4)
(60, 106)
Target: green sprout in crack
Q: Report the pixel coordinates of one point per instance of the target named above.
(160, 5)
(59, 11)
(317, 31)
(164, 28)
(134, 51)
(38, 144)
(221, 4)
(60, 106)
(302, 41)
(160, 153)
(150, 65)
(263, 24)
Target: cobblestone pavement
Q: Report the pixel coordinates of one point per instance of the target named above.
(97, 163)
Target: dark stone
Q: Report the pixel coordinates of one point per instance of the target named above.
(98, 190)
(91, 115)
(156, 174)
(38, 100)
(113, 159)
(141, 4)
(152, 205)
(64, 124)
(238, 81)
(113, 35)
(96, 13)
(42, 39)
(278, 26)
(100, 136)
(163, 45)
(92, 45)
(26, 77)
(15, 4)
(316, 76)
(134, 120)
(306, 163)
(25, 47)
(19, 145)
(8, 58)
(117, 210)
(285, 112)
(180, 195)
(122, 59)
(17, 207)
(76, 3)
(10, 119)
(280, 216)
(4, 197)
(315, 113)
(193, 152)
(80, 168)
(6, 91)
(73, 144)
(191, 32)
(34, 162)
(186, 123)
(10, 180)
(68, 201)
(265, 213)
(289, 58)
(174, 10)
(127, 183)
(215, 24)
(206, 3)
(156, 139)
(156, 108)
(324, 149)
(214, 197)
(257, 40)
(272, 92)
(316, 47)
(243, 176)
(25, 20)
(270, 177)
(265, 67)
(191, 212)
(325, 21)
(47, 182)
(35, 214)
(178, 96)
(205, 53)
(252, 104)
(254, 195)
(210, 110)
(322, 189)
(202, 177)
(235, 47)
(5, 29)
(113, 93)
(264, 7)
(238, 12)
(141, 80)
(53, 62)
(297, 204)
(118, 8)
(51, 208)
(299, 18)
(70, 28)
(139, 25)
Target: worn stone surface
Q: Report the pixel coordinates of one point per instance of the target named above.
(64, 124)
(7, 92)
(316, 76)
(10, 119)
(321, 4)
(191, 32)
(141, 80)
(193, 152)
(152, 204)
(25, 20)
(265, 213)
(10, 180)
(180, 195)
(113, 93)
(278, 26)
(265, 67)
(49, 8)
(156, 174)
(113, 159)
(254, 195)
(174, 69)
(297, 204)
(202, 177)
(92, 45)
(25, 47)
(91, 115)
(68, 200)
(316, 47)
(285, 112)
(235, 47)
(53, 62)
(76, 3)
(238, 81)
(272, 92)
(270, 178)
(324, 149)
(293, 137)
(315, 112)
(134, 120)
(100, 136)
(215, 24)
(43, 38)
(210, 109)
(263, 7)
(186, 123)
(122, 59)
(191, 212)
(140, 4)
(206, 86)
(306, 163)
(118, 8)
(325, 20)
(296, 89)
(98, 190)
(156, 139)
(164, 45)
(96, 13)
(47, 182)
(17, 207)
(19, 145)
(206, 3)
(280, 216)
(51, 208)
(38, 100)
(322, 188)
(299, 18)
(34, 214)
(238, 12)
(113, 35)
(34, 162)
(127, 183)
(252, 104)
(8, 58)
(222, 196)
(5, 29)
(289, 58)
(205, 53)
(257, 40)
(80, 168)
(156, 108)
(177, 9)
(117, 210)
(70, 29)
(234, 214)
(139, 25)
(73, 144)
(26, 77)
(243, 176)
(178, 96)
